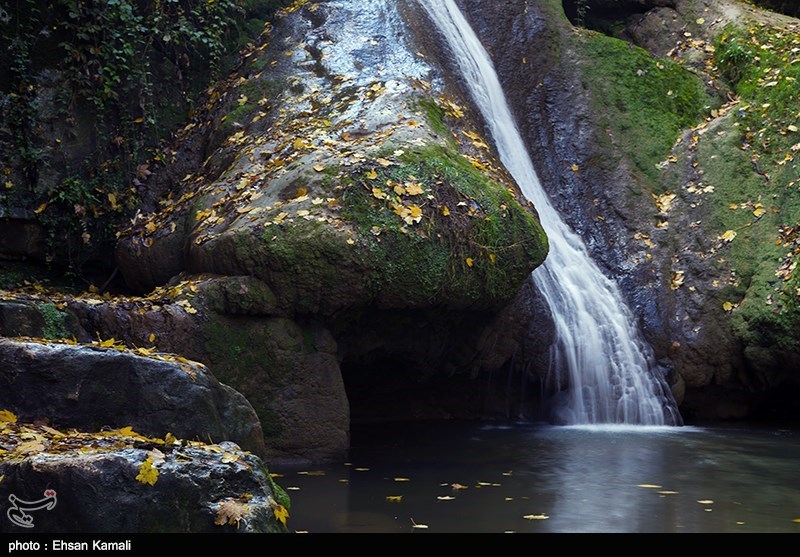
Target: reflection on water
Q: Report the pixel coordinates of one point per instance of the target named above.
(472, 478)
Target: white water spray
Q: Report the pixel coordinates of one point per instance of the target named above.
(598, 356)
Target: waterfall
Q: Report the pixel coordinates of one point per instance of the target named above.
(601, 367)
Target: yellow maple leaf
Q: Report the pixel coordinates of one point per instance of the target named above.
(280, 513)
(727, 306)
(575, 168)
(446, 211)
(384, 162)
(231, 512)
(371, 175)
(469, 261)
(151, 226)
(152, 337)
(759, 212)
(729, 235)
(414, 189)
(378, 193)
(319, 167)
(148, 474)
(30, 447)
(41, 208)
(7, 417)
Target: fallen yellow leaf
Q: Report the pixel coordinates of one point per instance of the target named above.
(148, 474)
(7, 417)
(280, 513)
(231, 512)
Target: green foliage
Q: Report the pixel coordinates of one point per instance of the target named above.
(127, 72)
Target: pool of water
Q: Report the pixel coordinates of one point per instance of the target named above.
(529, 478)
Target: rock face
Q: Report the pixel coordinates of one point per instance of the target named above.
(89, 388)
(612, 165)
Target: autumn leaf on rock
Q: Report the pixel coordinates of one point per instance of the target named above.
(231, 512)
(280, 512)
(30, 447)
(7, 417)
(414, 189)
(148, 474)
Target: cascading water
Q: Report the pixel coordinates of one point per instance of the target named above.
(598, 355)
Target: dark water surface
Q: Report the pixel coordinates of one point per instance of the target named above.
(462, 478)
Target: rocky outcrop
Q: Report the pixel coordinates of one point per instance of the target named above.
(89, 388)
(655, 211)
(122, 484)
(350, 210)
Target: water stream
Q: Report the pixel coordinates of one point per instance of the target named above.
(601, 369)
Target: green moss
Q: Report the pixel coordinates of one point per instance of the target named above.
(644, 102)
(474, 240)
(751, 164)
(56, 323)
(435, 115)
(242, 356)
(254, 91)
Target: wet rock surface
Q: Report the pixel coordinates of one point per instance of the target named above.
(89, 388)
(94, 483)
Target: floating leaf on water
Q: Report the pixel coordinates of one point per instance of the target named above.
(649, 486)
(394, 498)
(668, 492)
(415, 525)
(292, 488)
(706, 502)
(445, 498)
(536, 517)
(402, 479)
(361, 469)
